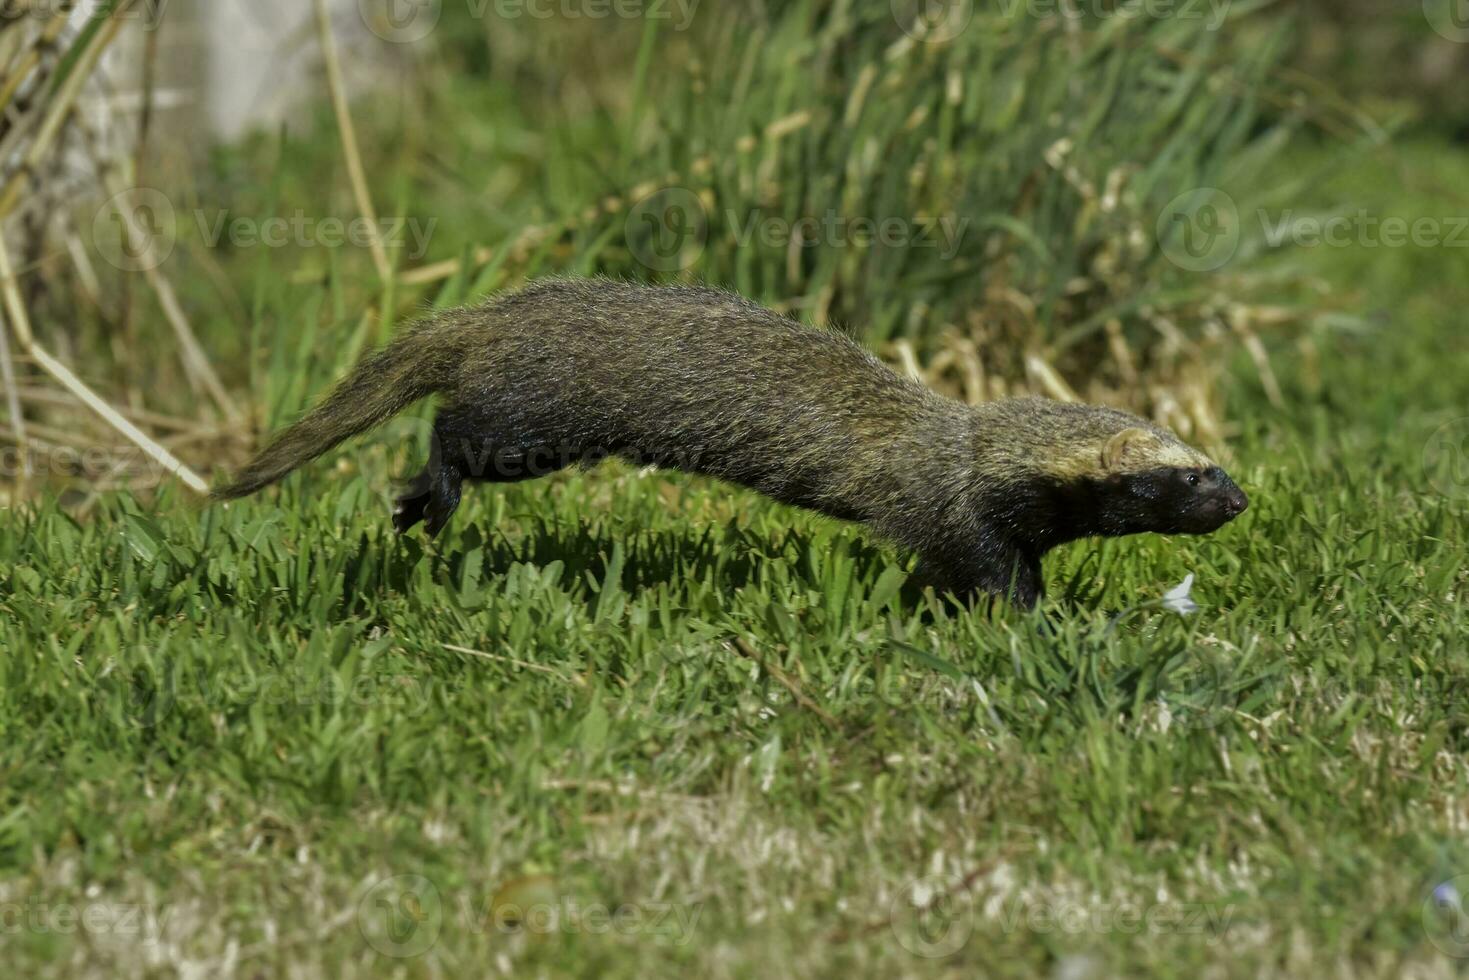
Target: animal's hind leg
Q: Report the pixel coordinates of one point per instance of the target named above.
(433, 495)
(467, 447)
(443, 498)
(410, 505)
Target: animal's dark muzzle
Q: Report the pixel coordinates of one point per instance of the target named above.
(1235, 502)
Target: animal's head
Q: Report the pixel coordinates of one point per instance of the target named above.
(1149, 480)
(1099, 471)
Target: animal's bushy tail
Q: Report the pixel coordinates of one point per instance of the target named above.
(417, 364)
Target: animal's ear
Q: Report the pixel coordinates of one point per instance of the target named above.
(1122, 446)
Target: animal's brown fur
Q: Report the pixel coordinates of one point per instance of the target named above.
(702, 380)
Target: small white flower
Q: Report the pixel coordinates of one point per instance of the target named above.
(1178, 599)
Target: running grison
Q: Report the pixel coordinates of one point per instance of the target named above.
(571, 371)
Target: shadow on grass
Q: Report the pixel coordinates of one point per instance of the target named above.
(723, 558)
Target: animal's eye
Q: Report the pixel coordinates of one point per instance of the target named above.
(1193, 479)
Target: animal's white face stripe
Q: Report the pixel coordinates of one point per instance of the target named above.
(1181, 456)
(1160, 454)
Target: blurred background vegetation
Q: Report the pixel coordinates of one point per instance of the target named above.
(1026, 153)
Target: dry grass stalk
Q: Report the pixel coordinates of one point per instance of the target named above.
(571, 679)
(45, 396)
(786, 680)
(1048, 379)
(12, 401)
(908, 359)
(20, 323)
(438, 271)
(196, 362)
(1239, 321)
(355, 171)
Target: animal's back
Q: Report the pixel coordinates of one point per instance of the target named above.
(701, 376)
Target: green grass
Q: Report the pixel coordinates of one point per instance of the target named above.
(742, 726)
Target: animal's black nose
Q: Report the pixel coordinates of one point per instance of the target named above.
(1236, 503)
